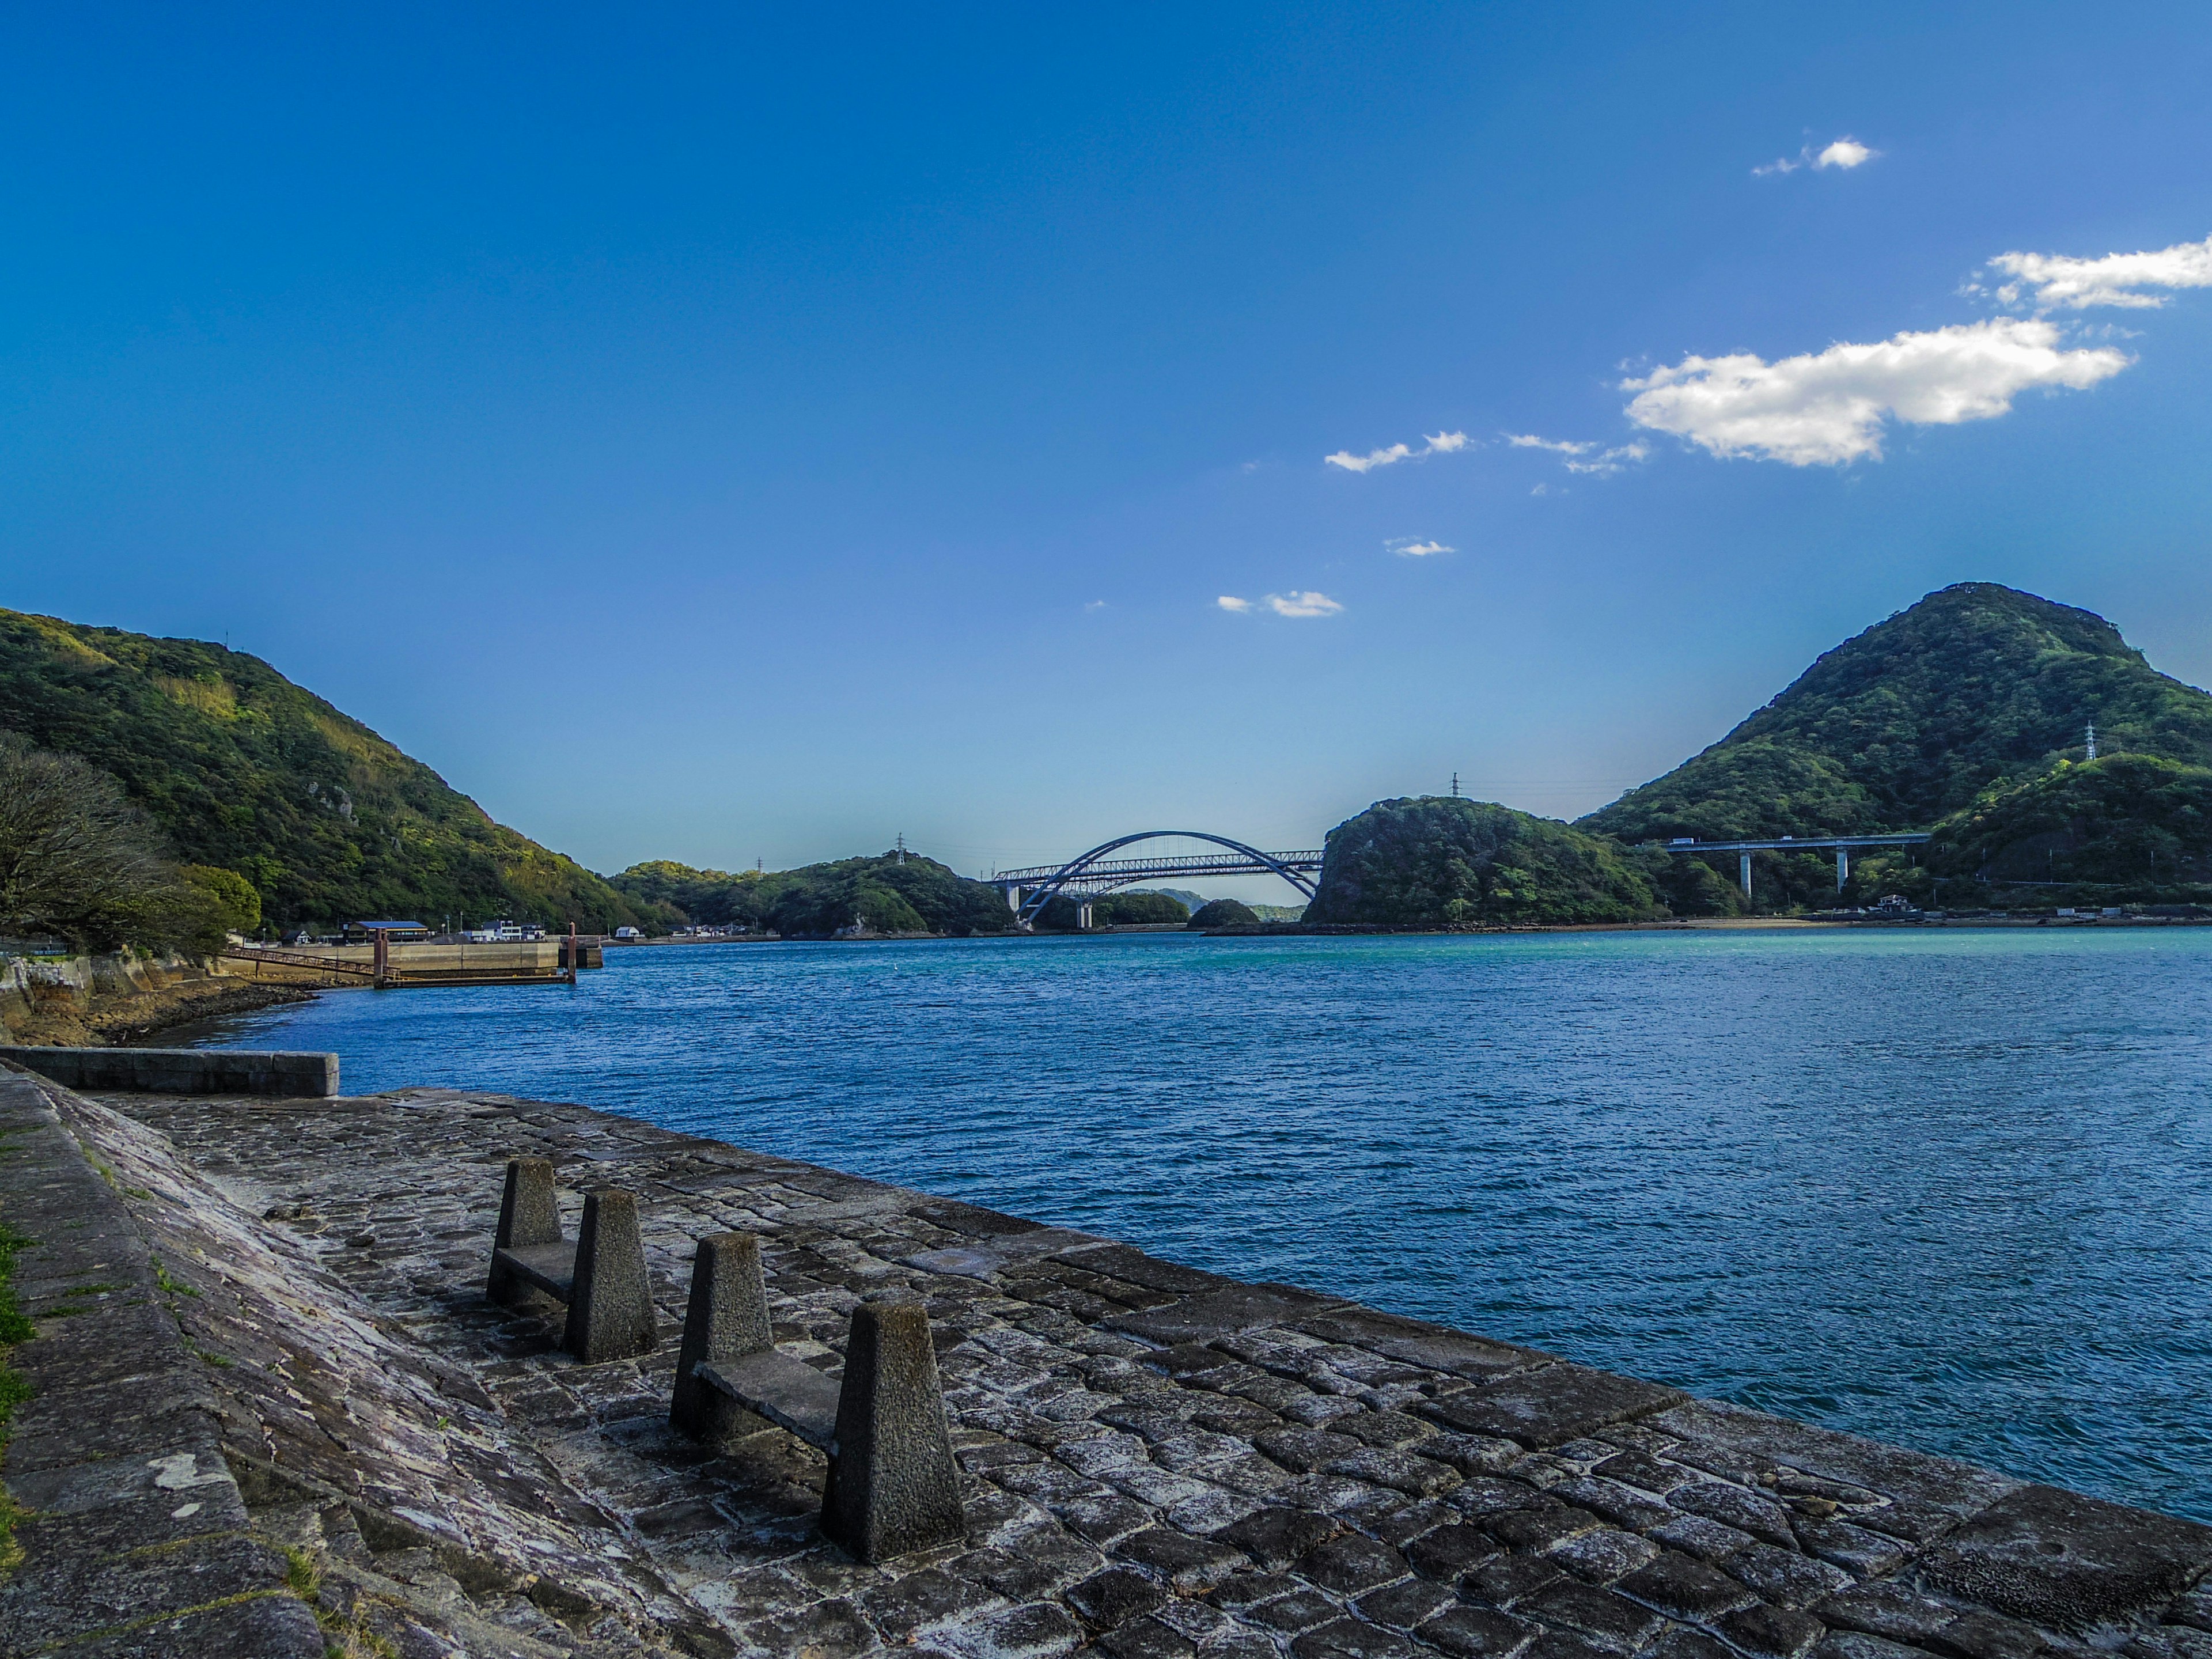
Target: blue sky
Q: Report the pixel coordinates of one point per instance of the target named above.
(728, 434)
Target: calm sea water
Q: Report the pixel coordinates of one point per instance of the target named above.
(1949, 1189)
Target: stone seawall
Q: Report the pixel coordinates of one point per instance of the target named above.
(1157, 1460)
(182, 1070)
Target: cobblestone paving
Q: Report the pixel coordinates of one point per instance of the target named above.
(1159, 1461)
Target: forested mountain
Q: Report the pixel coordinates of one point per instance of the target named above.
(241, 769)
(1917, 717)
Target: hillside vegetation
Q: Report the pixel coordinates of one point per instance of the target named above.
(239, 769)
(1436, 860)
(2132, 822)
(888, 893)
(1914, 718)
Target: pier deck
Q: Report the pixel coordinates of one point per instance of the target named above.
(1158, 1462)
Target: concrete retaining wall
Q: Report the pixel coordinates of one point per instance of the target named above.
(133, 1532)
(183, 1071)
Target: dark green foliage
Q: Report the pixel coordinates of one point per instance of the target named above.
(79, 861)
(240, 768)
(887, 894)
(1135, 909)
(2127, 820)
(237, 907)
(1059, 915)
(675, 893)
(1918, 715)
(1688, 886)
(1223, 913)
(1435, 860)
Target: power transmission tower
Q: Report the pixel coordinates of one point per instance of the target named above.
(1454, 786)
(2092, 740)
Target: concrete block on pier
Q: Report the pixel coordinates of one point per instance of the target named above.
(527, 1218)
(610, 1311)
(725, 1319)
(893, 1487)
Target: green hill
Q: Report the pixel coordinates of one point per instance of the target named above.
(2122, 822)
(890, 893)
(241, 769)
(1917, 717)
(1437, 860)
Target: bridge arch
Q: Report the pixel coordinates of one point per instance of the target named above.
(1034, 899)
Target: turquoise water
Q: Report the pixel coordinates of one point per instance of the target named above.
(1947, 1189)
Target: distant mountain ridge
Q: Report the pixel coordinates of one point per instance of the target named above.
(1916, 718)
(243, 769)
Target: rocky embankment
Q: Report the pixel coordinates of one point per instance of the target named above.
(63, 1001)
(270, 1401)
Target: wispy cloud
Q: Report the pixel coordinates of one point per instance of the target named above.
(2053, 282)
(1295, 602)
(1582, 456)
(1830, 407)
(1841, 154)
(1443, 443)
(1094, 604)
(1408, 547)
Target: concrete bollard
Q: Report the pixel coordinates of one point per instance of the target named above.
(526, 1217)
(893, 1486)
(726, 1318)
(610, 1312)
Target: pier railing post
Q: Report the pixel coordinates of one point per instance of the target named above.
(611, 1310)
(726, 1317)
(893, 1486)
(527, 1216)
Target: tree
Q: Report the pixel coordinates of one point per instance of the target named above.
(237, 904)
(76, 860)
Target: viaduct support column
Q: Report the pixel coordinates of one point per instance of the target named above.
(1843, 866)
(1746, 868)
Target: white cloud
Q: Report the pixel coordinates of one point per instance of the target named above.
(1611, 460)
(1845, 152)
(1582, 456)
(1094, 604)
(1409, 547)
(1443, 443)
(1829, 408)
(2117, 279)
(1292, 603)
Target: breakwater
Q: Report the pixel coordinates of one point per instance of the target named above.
(1935, 1186)
(1157, 1460)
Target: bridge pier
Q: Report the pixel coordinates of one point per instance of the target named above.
(1014, 900)
(1746, 867)
(1843, 866)
(1082, 916)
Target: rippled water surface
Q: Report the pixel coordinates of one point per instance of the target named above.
(1946, 1189)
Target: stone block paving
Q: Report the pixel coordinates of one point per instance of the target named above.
(1157, 1460)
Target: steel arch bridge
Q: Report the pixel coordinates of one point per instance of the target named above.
(1085, 877)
